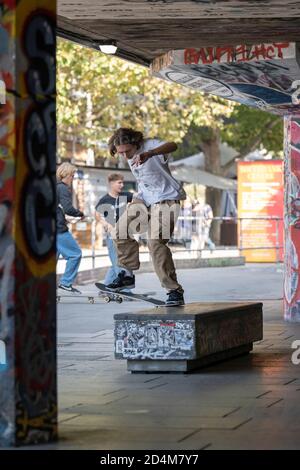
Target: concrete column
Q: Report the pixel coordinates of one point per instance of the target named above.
(292, 218)
(28, 395)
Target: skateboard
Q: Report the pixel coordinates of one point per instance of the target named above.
(107, 296)
(119, 295)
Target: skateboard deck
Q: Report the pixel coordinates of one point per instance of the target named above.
(127, 295)
(106, 296)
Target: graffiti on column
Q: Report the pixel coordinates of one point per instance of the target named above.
(7, 245)
(27, 220)
(292, 219)
(262, 75)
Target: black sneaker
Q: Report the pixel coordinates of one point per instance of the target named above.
(70, 289)
(175, 297)
(122, 282)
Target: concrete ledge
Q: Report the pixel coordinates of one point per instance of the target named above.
(186, 366)
(147, 267)
(180, 339)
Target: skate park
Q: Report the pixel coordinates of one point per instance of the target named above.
(96, 402)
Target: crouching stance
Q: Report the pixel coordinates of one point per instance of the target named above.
(155, 209)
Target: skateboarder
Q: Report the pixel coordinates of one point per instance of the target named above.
(108, 211)
(65, 243)
(157, 204)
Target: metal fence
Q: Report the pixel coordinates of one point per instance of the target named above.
(193, 235)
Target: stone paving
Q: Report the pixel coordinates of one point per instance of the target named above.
(251, 402)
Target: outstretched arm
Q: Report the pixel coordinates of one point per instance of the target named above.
(165, 148)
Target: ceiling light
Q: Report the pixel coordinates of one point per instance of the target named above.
(108, 47)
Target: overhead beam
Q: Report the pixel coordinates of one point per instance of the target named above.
(189, 9)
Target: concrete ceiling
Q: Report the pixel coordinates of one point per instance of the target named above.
(146, 29)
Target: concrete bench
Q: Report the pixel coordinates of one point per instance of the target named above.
(180, 339)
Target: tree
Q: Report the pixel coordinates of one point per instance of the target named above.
(245, 130)
(124, 94)
(248, 128)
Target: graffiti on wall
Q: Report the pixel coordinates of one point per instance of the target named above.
(263, 76)
(137, 339)
(2, 353)
(7, 50)
(7, 246)
(292, 219)
(28, 410)
(2, 92)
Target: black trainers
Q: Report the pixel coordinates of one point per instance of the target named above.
(175, 297)
(70, 289)
(122, 282)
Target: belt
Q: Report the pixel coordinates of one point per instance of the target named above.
(167, 200)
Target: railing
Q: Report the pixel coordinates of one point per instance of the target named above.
(188, 233)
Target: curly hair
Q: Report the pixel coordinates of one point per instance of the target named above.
(124, 136)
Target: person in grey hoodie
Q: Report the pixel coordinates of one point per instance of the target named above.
(66, 245)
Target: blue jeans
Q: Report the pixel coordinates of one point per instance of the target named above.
(114, 269)
(206, 238)
(68, 247)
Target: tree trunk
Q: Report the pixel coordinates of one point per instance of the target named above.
(213, 198)
(211, 149)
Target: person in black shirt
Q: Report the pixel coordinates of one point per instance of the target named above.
(108, 211)
(65, 243)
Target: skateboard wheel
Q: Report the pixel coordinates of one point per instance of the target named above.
(106, 299)
(119, 300)
(91, 300)
(57, 299)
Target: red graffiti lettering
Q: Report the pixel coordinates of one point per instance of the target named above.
(259, 52)
(270, 52)
(190, 56)
(280, 46)
(221, 51)
(241, 51)
(205, 55)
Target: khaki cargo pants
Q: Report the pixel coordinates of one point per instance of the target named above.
(158, 221)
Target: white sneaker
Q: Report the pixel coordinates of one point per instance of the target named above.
(70, 289)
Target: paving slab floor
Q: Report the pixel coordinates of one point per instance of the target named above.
(251, 402)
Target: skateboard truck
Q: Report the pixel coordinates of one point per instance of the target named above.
(115, 297)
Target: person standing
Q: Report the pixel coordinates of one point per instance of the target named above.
(108, 211)
(157, 203)
(206, 221)
(65, 243)
(186, 222)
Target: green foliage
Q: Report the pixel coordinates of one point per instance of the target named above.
(124, 94)
(99, 93)
(247, 125)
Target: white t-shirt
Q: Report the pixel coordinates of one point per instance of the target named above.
(155, 182)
